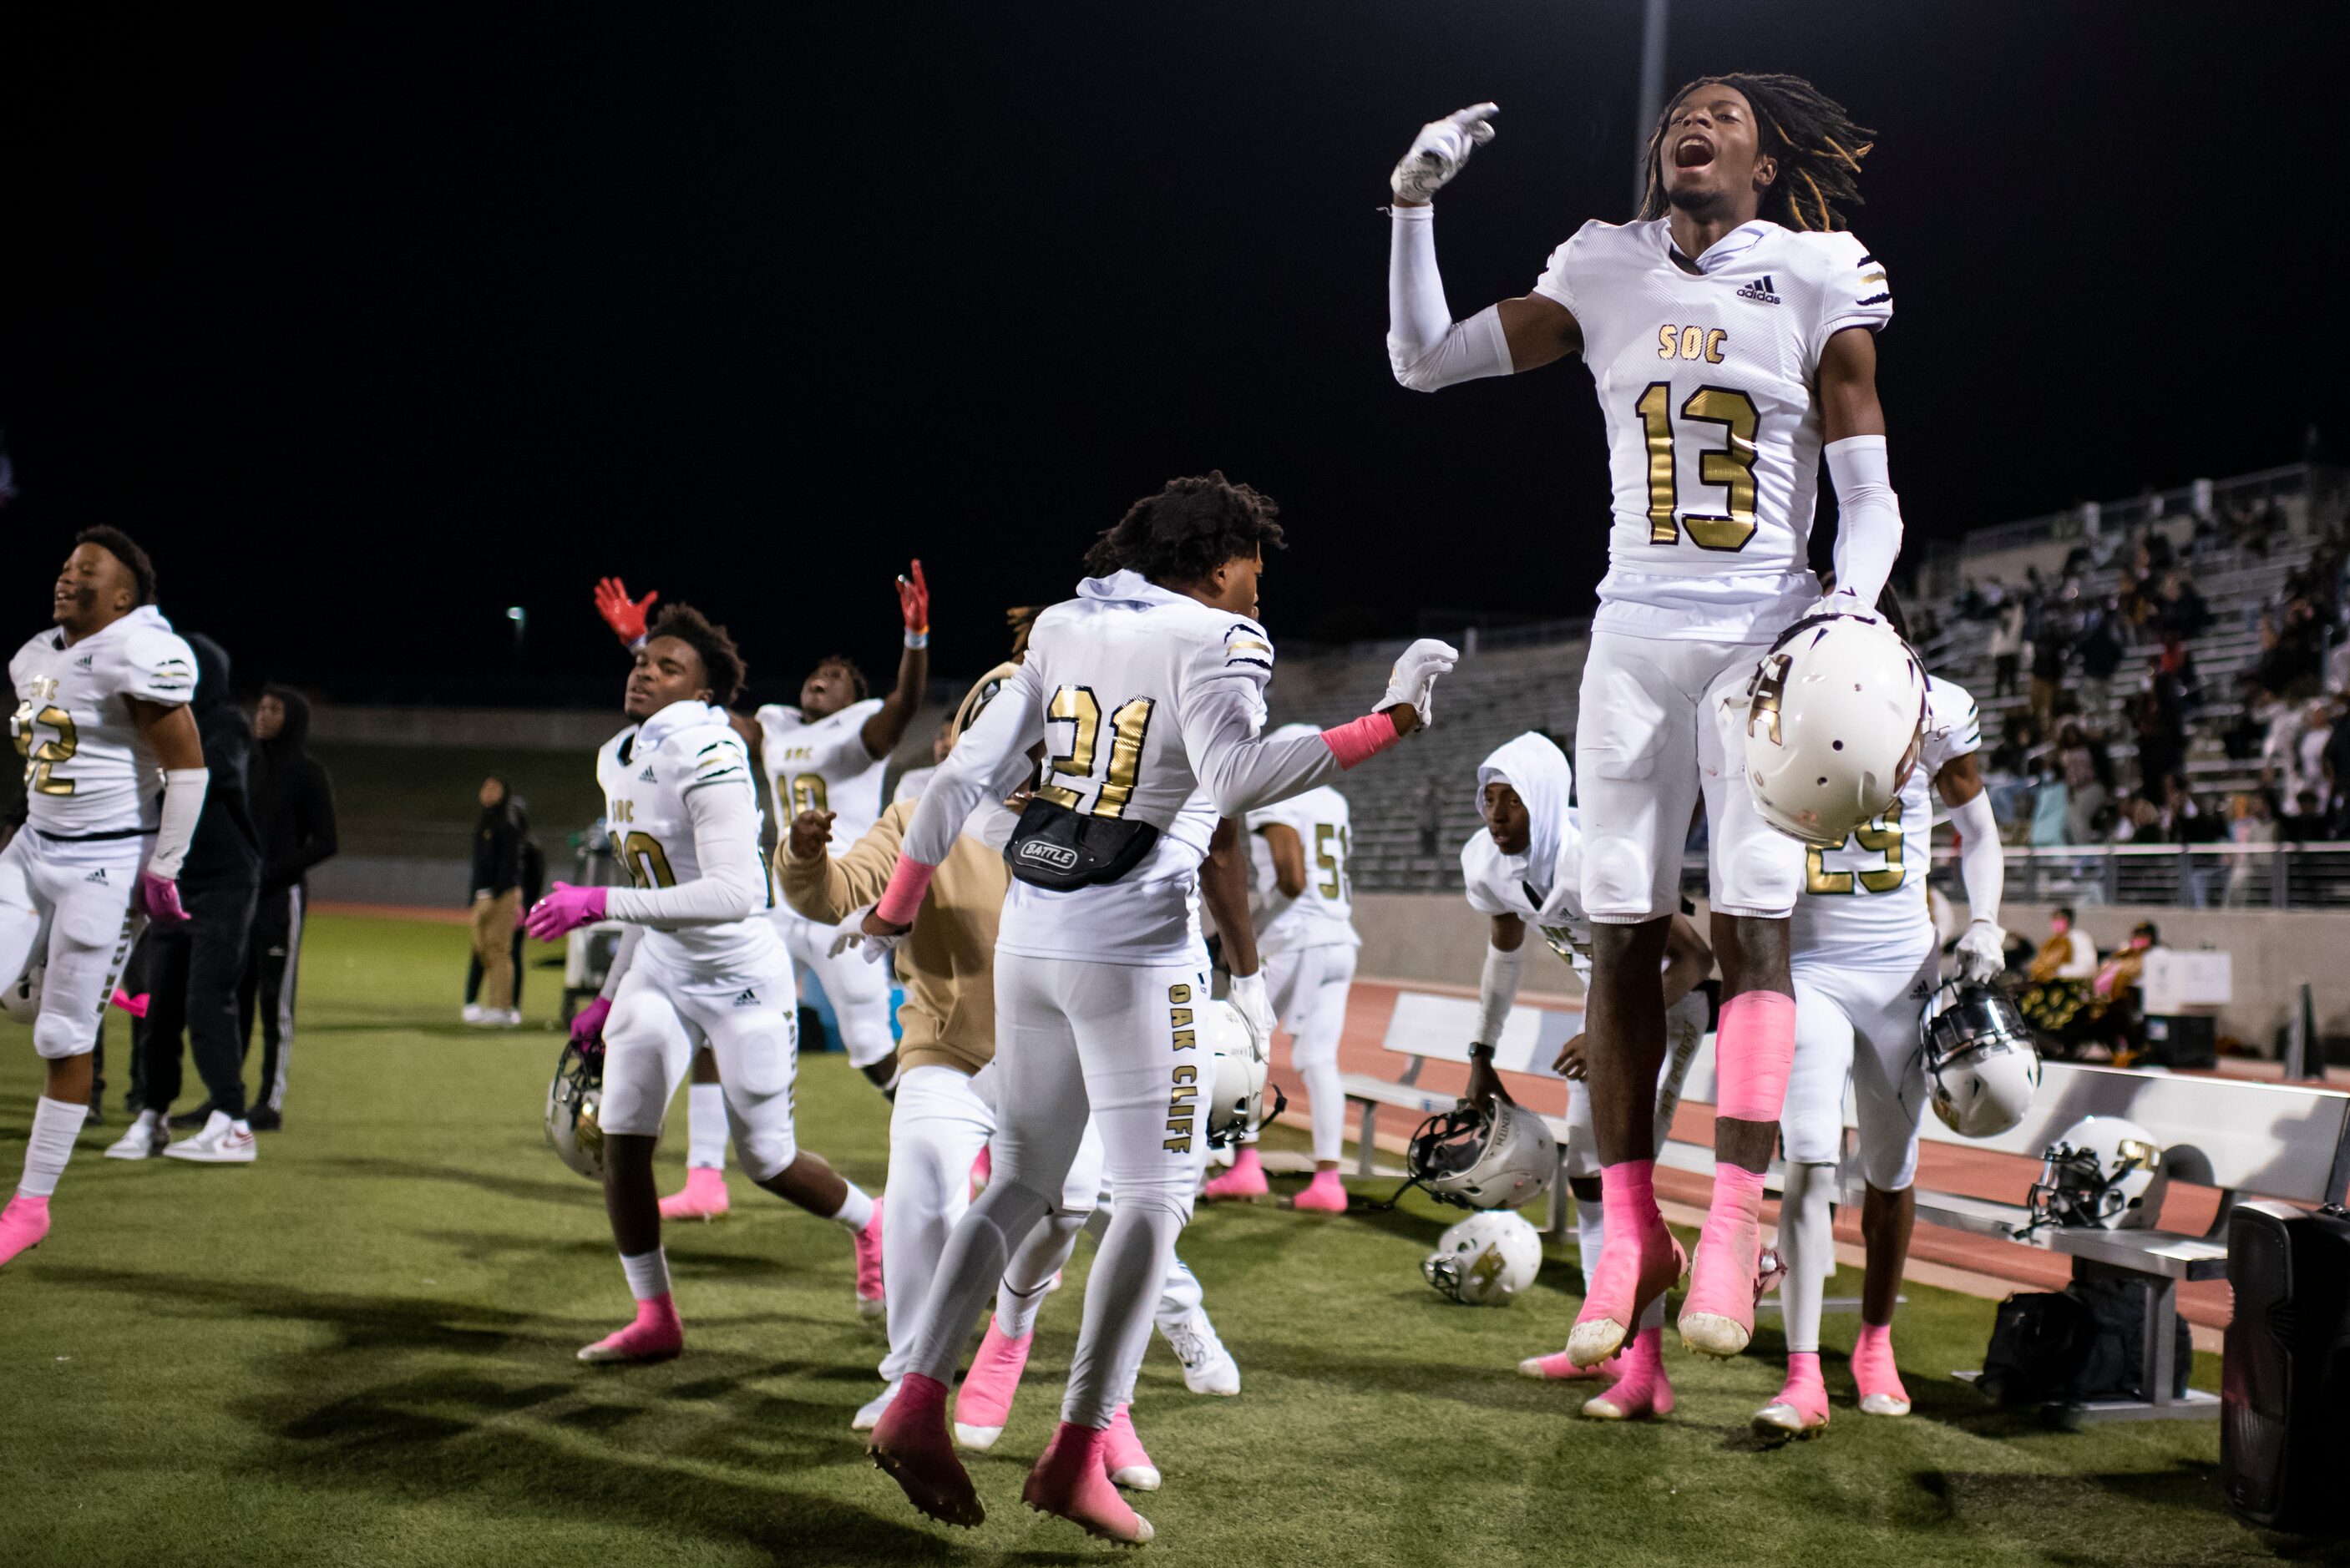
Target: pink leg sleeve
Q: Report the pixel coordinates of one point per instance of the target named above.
(1753, 1050)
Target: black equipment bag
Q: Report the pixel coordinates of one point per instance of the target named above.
(2038, 1341)
(1059, 849)
(2284, 1388)
(2115, 1368)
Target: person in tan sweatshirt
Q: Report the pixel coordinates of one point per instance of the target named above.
(943, 1114)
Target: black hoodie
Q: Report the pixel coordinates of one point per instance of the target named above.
(225, 850)
(293, 803)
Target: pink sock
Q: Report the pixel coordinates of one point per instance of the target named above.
(1753, 1050)
(1643, 1389)
(1873, 1368)
(1627, 1195)
(1246, 1159)
(1804, 1370)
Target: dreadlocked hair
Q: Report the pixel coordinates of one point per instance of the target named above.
(125, 549)
(1817, 146)
(1187, 530)
(721, 661)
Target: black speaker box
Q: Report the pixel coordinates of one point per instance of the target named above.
(2284, 1419)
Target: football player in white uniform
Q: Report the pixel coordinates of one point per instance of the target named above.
(701, 968)
(1730, 335)
(1524, 867)
(114, 781)
(1866, 965)
(827, 754)
(1146, 693)
(1305, 934)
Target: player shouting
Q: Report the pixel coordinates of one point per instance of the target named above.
(1729, 333)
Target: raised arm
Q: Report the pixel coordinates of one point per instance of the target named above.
(1242, 771)
(888, 727)
(1426, 347)
(1012, 722)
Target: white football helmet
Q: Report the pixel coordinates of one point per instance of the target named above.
(1485, 1260)
(21, 1002)
(1497, 1157)
(1981, 1067)
(1239, 1064)
(2106, 1172)
(575, 1109)
(1834, 716)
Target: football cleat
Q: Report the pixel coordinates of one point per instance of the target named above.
(703, 1196)
(1071, 1481)
(983, 1403)
(1207, 1366)
(23, 1224)
(655, 1335)
(1802, 1407)
(869, 1414)
(1124, 1459)
(1244, 1182)
(1881, 1390)
(1326, 1194)
(1558, 1366)
(910, 1446)
(1642, 1390)
(1620, 1291)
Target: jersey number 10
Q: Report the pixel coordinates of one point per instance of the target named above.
(1731, 467)
(1076, 707)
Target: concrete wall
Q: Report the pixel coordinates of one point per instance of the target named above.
(513, 728)
(1437, 937)
(381, 879)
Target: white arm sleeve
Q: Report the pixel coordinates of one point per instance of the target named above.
(1013, 721)
(1868, 526)
(1426, 347)
(733, 885)
(1497, 988)
(622, 957)
(1982, 862)
(1238, 770)
(183, 802)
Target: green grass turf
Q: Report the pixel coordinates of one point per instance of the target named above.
(359, 1351)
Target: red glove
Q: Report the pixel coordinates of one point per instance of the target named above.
(624, 616)
(914, 603)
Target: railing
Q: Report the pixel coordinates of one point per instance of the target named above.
(2113, 517)
(2194, 877)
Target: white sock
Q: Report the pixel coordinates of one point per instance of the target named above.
(55, 1126)
(705, 1125)
(856, 1210)
(648, 1273)
(1807, 1246)
(1587, 1234)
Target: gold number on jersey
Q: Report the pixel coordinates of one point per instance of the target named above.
(1077, 707)
(1332, 847)
(41, 757)
(1730, 466)
(647, 863)
(807, 793)
(1881, 836)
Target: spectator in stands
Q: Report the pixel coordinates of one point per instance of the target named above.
(294, 814)
(2290, 650)
(2183, 821)
(2161, 729)
(2139, 820)
(2100, 651)
(2088, 781)
(497, 905)
(2051, 807)
(2309, 756)
(2252, 827)
(2048, 659)
(2006, 647)
(2306, 823)
(2116, 1016)
(2068, 953)
(2180, 610)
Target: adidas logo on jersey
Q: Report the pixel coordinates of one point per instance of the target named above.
(646, 776)
(1759, 291)
(97, 875)
(748, 998)
(84, 661)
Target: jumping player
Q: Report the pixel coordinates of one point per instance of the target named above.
(1865, 967)
(1524, 867)
(114, 781)
(1730, 332)
(1307, 935)
(699, 969)
(1146, 692)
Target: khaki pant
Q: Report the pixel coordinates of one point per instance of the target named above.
(493, 930)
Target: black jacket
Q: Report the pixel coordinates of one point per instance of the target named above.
(225, 850)
(292, 801)
(497, 850)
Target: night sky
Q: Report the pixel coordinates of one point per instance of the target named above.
(369, 327)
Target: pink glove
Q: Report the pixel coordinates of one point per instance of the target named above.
(134, 1005)
(566, 908)
(158, 898)
(587, 1025)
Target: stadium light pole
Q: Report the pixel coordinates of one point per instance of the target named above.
(1652, 95)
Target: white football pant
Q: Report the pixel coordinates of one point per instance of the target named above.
(1308, 987)
(660, 1017)
(858, 991)
(78, 896)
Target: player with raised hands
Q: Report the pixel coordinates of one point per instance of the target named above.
(1730, 335)
(1146, 692)
(699, 969)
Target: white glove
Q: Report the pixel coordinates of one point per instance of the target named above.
(1438, 151)
(851, 933)
(1413, 678)
(1249, 999)
(1982, 953)
(846, 938)
(1842, 601)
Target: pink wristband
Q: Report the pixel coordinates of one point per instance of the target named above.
(1366, 737)
(903, 896)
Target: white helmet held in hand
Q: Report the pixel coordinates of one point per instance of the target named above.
(1484, 1259)
(2106, 1172)
(1834, 717)
(1494, 1156)
(575, 1110)
(21, 1002)
(1237, 1071)
(1981, 1067)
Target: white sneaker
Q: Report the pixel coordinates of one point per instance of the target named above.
(869, 1414)
(472, 1014)
(1207, 1366)
(147, 1136)
(222, 1142)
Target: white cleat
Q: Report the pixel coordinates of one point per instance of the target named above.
(869, 1414)
(1207, 1366)
(980, 1437)
(1882, 1405)
(222, 1142)
(148, 1136)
